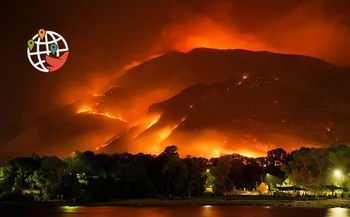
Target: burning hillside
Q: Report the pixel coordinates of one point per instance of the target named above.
(249, 115)
(260, 101)
(90, 111)
(176, 121)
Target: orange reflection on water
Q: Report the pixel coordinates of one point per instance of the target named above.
(193, 211)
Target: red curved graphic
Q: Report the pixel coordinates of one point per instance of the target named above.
(56, 63)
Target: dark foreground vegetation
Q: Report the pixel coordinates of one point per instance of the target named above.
(89, 177)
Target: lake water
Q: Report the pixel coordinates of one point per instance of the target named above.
(182, 211)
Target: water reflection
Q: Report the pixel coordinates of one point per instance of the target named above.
(192, 211)
(69, 208)
(338, 212)
(182, 211)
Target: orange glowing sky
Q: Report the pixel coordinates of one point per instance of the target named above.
(305, 29)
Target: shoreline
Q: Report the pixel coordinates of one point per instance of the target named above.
(322, 203)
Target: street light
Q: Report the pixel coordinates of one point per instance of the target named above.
(261, 179)
(338, 174)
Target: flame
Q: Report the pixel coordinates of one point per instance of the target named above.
(90, 111)
(152, 123)
(167, 131)
(131, 65)
(107, 143)
(149, 120)
(85, 110)
(102, 146)
(96, 94)
(245, 76)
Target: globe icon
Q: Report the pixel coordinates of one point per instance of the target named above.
(47, 51)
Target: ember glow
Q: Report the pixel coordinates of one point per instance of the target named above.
(165, 133)
(97, 95)
(90, 111)
(145, 123)
(152, 123)
(107, 143)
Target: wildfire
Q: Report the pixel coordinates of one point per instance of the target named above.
(131, 65)
(165, 133)
(245, 76)
(152, 123)
(96, 94)
(107, 143)
(90, 111)
(102, 146)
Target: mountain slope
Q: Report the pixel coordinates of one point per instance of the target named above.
(63, 131)
(117, 119)
(249, 115)
(162, 77)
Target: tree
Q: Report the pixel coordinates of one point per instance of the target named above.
(236, 171)
(195, 179)
(49, 178)
(340, 157)
(321, 157)
(174, 172)
(14, 174)
(263, 188)
(276, 157)
(251, 173)
(221, 171)
(133, 177)
(300, 166)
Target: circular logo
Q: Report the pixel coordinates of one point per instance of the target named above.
(47, 51)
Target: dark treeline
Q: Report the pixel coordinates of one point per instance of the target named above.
(101, 177)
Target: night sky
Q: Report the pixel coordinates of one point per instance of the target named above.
(105, 35)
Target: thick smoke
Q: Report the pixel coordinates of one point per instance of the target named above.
(308, 28)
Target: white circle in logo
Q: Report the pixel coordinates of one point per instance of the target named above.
(47, 47)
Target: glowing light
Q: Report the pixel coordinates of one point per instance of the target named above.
(338, 212)
(85, 109)
(69, 208)
(107, 143)
(152, 123)
(167, 131)
(337, 173)
(131, 65)
(95, 94)
(102, 146)
(89, 111)
(245, 76)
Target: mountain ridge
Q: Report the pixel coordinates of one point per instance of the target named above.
(159, 80)
(202, 107)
